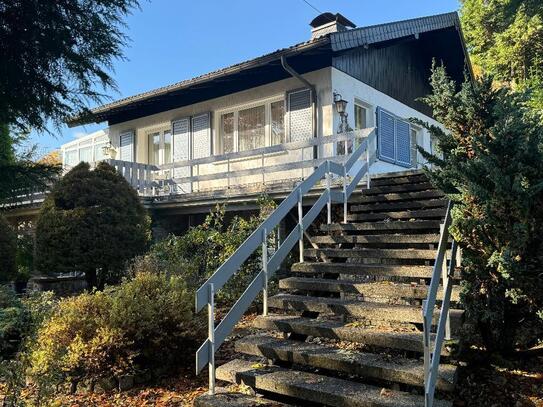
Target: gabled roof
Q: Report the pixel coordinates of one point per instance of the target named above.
(318, 52)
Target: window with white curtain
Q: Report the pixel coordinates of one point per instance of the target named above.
(277, 122)
(71, 157)
(85, 154)
(227, 132)
(252, 127)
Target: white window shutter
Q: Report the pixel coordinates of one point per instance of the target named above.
(201, 136)
(181, 152)
(126, 146)
(385, 135)
(300, 115)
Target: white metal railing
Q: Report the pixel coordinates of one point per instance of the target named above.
(205, 295)
(441, 271)
(139, 176)
(229, 160)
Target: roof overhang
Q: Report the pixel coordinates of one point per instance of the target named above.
(304, 57)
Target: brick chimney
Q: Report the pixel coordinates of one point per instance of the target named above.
(329, 23)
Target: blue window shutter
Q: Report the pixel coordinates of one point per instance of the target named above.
(403, 143)
(385, 134)
(126, 146)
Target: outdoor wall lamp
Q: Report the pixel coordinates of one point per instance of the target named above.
(108, 150)
(341, 104)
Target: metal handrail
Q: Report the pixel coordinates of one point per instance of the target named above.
(443, 330)
(205, 295)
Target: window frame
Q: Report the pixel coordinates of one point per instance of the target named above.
(161, 137)
(266, 102)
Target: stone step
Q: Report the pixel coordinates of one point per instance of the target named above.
(372, 311)
(391, 226)
(373, 365)
(429, 238)
(399, 180)
(398, 215)
(367, 253)
(407, 341)
(373, 289)
(399, 206)
(398, 196)
(421, 186)
(234, 400)
(315, 388)
(397, 174)
(364, 269)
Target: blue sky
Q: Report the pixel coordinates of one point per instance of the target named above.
(172, 40)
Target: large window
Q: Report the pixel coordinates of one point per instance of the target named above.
(159, 147)
(249, 128)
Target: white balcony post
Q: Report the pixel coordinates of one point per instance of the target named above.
(368, 163)
(344, 194)
(301, 226)
(328, 185)
(265, 270)
(211, 337)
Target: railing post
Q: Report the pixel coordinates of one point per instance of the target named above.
(265, 270)
(426, 345)
(328, 185)
(368, 163)
(211, 337)
(301, 226)
(445, 279)
(263, 172)
(344, 194)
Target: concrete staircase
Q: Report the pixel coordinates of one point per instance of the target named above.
(347, 324)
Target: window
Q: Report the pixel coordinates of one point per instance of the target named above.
(277, 122)
(159, 147)
(154, 148)
(85, 154)
(249, 128)
(70, 157)
(360, 117)
(99, 152)
(167, 147)
(227, 132)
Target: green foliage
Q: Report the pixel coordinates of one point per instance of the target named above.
(144, 323)
(492, 168)
(25, 257)
(56, 57)
(505, 39)
(12, 320)
(20, 172)
(91, 222)
(8, 250)
(20, 318)
(198, 253)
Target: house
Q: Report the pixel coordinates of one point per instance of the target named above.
(264, 124)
